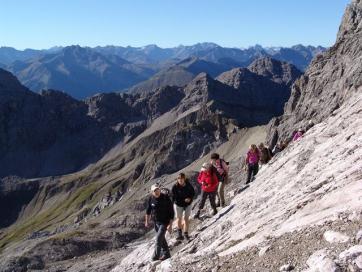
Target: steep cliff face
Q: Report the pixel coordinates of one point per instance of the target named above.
(331, 79)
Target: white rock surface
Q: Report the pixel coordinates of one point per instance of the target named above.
(359, 236)
(351, 253)
(263, 250)
(335, 237)
(311, 182)
(358, 262)
(320, 262)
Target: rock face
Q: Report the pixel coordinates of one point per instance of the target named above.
(277, 71)
(264, 85)
(180, 74)
(46, 134)
(331, 79)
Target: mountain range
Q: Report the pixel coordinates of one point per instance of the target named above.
(82, 71)
(52, 126)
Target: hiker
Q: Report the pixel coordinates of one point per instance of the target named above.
(160, 206)
(223, 175)
(182, 194)
(265, 154)
(252, 162)
(209, 183)
(298, 135)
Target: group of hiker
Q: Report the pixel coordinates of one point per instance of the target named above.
(213, 177)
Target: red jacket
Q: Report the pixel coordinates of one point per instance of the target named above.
(208, 182)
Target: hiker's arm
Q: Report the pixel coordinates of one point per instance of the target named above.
(148, 214)
(147, 220)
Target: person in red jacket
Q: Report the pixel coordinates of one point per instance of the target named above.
(209, 184)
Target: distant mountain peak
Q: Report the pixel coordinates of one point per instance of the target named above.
(277, 71)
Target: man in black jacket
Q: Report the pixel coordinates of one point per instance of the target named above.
(160, 207)
(182, 195)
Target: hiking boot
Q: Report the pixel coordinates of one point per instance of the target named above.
(197, 215)
(223, 205)
(186, 235)
(155, 259)
(179, 235)
(214, 212)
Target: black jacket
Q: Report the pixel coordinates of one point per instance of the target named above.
(161, 209)
(179, 193)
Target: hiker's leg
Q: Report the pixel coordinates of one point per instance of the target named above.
(212, 196)
(161, 240)
(220, 193)
(256, 169)
(157, 251)
(186, 218)
(178, 213)
(203, 200)
(250, 171)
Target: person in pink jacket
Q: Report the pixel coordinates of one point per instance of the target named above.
(209, 184)
(298, 135)
(252, 162)
(223, 175)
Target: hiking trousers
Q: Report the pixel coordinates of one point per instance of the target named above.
(211, 196)
(252, 171)
(161, 246)
(220, 194)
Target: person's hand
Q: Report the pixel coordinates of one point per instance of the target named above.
(188, 200)
(147, 224)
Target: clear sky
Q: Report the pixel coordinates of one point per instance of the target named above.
(167, 23)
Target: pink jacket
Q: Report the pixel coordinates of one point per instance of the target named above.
(297, 135)
(253, 157)
(221, 167)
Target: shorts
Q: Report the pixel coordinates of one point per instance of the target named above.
(179, 211)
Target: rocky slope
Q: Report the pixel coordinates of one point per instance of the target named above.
(331, 79)
(309, 190)
(46, 134)
(180, 74)
(265, 84)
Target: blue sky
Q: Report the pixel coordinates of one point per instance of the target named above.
(232, 23)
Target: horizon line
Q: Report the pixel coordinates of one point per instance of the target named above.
(162, 47)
